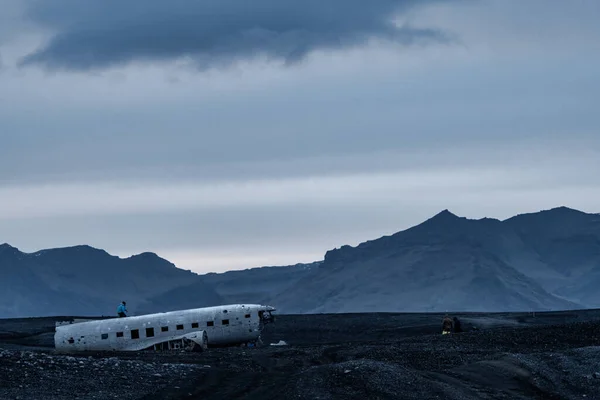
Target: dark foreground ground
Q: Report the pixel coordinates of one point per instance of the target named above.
(352, 356)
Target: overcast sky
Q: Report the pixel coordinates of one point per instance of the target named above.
(228, 134)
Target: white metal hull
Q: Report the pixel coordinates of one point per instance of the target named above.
(222, 325)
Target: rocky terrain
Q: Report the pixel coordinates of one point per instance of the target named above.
(340, 356)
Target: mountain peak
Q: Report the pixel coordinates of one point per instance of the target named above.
(81, 249)
(564, 210)
(148, 259)
(5, 247)
(445, 214)
(553, 213)
(84, 253)
(442, 218)
(87, 247)
(147, 255)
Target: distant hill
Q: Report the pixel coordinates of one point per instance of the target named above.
(445, 263)
(256, 285)
(82, 280)
(547, 260)
(567, 243)
(260, 285)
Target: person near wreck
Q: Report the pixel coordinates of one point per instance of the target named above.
(122, 309)
(456, 326)
(447, 325)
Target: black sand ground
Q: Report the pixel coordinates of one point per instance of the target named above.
(357, 356)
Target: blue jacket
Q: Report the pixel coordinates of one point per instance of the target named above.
(121, 309)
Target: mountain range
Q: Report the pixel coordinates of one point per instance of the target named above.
(546, 260)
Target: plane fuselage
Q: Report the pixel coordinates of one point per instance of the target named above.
(224, 325)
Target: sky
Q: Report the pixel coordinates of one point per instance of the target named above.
(227, 134)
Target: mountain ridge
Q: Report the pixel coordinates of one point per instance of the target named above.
(542, 260)
(84, 280)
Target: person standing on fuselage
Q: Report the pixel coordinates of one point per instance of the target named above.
(122, 310)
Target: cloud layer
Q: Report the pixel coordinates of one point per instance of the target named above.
(114, 138)
(92, 34)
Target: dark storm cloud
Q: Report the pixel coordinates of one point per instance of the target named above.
(97, 34)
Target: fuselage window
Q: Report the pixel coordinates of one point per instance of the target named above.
(135, 333)
(104, 336)
(247, 316)
(194, 325)
(225, 322)
(210, 323)
(179, 327)
(164, 329)
(71, 340)
(119, 334)
(149, 332)
(225, 311)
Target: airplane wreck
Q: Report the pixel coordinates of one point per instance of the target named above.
(191, 330)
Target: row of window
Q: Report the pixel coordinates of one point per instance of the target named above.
(135, 333)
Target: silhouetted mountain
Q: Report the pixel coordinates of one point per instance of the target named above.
(193, 295)
(82, 280)
(258, 285)
(538, 261)
(566, 240)
(568, 243)
(454, 263)
(22, 292)
(255, 285)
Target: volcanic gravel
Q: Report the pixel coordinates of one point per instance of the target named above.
(37, 375)
(352, 356)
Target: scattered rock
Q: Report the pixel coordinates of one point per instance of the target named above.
(383, 361)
